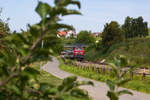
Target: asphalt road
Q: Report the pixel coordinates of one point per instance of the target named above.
(98, 92)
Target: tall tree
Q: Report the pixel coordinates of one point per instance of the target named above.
(135, 27)
(111, 34)
(127, 26)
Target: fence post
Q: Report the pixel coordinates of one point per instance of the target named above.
(104, 70)
(82, 66)
(98, 70)
(88, 67)
(110, 70)
(143, 76)
(131, 75)
(92, 69)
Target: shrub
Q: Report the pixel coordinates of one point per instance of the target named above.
(85, 37)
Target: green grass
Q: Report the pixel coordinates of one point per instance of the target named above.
(45, 77)
(48, 78)
(135, 84)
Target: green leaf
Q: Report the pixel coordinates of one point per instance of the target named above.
(122, 82)
(57, 2)
(43, 86)
(64, 11)
(31, 71)
(24, 52)
(35, 30)
(124, 92)
(47, 88)
(111, 85)
(70, 12)
(79, 93)
(16, 90)
(67, 83)
(123, 61)
(79, 83)
(24, 40)
(112, 95)
(123, 74)
(115, 69)
(43, 9)
(76, 3)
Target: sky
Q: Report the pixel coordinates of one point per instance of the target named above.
(95, 13)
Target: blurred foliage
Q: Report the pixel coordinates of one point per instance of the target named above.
(18, 80)
(117, 66)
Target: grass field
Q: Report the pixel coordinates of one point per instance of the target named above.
(135, 84)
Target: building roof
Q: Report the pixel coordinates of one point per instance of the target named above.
(68, 33)
(62, 33)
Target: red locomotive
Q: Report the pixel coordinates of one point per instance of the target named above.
(74, 52)
(79, 53)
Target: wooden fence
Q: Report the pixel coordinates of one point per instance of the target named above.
(105, 68)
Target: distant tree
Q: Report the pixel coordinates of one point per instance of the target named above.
(111, 34)
(127, 26)
(85, 37)
(135, 27)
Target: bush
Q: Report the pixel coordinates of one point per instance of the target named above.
(91, 55)
(85, 37)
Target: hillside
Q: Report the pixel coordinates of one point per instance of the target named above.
(136, 50)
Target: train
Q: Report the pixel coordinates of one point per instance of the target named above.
(74, 52)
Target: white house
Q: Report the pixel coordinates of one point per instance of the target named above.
(67, 34)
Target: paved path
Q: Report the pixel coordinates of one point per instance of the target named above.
(98, 92)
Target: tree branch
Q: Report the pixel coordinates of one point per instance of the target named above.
(35, 44)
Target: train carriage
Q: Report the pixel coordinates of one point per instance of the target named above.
(74, 52)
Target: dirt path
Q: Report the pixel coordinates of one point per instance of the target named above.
(98, 92)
